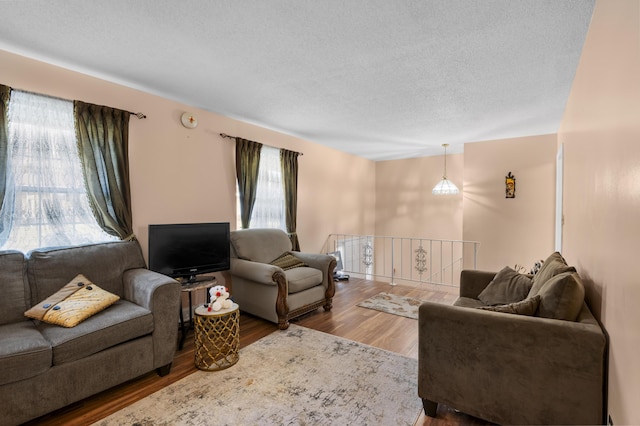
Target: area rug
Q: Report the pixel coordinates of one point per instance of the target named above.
(294, 377)
(393, 304)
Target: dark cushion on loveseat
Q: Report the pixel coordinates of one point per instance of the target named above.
(561, 297)
(523, 307)
(552, 266)
(508, 286)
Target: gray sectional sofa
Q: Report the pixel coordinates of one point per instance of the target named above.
(44, 367)
(540, 360)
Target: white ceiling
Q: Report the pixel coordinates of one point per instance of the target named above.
(381, 79)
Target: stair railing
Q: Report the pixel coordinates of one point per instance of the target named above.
(400, 259)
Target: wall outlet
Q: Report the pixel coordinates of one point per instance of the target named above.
(610, 420)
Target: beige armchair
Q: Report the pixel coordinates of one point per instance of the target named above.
(272, 282)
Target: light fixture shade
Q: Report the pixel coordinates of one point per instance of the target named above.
(445, 187)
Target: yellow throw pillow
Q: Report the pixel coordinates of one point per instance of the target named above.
(73, 303)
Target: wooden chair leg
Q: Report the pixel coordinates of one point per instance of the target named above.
(283, 323)
(430, 407)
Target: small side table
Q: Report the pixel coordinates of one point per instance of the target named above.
(189, 288)
(217, 338)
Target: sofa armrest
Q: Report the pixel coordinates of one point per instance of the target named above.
(316, 260)
(509, 368)
(262, 273)
(472, 282)
(161, 295)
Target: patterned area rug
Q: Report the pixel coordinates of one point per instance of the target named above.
(294, 377)
(393, 304)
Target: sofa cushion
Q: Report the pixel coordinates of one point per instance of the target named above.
(303, 278)
(259, 245)
(524, 307)
(104, 263)
(123, 321)
(73, 303)
(287, 261)
(552, 266)
(561, 297)
(13, 287)
(507, 286)
(24, 353)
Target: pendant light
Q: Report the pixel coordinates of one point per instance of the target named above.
(445, 186)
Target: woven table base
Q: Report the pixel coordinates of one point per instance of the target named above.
(217, 338)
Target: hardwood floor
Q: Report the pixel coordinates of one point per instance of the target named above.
(346, 319)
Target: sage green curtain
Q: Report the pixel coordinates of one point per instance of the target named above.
(103, 143)
(247, 166)
(5, 94)
(289, 164)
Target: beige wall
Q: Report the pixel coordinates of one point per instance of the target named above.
(405, 206)
(601, 135)
(182, 175)
(517, 230)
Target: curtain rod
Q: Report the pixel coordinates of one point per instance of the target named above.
(139, 115)
(224, 135)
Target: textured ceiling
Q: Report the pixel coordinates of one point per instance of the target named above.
(379, 79)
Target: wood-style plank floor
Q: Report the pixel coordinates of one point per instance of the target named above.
(346, 319)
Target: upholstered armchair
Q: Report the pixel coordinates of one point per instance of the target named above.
(272, 282)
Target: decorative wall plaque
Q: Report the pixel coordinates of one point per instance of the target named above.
(510, 181)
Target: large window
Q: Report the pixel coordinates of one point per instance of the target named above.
(268, 210)
(46, 202)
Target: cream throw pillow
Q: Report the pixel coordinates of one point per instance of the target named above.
(73, 303)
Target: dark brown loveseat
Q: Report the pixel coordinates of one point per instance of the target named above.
(547, 368)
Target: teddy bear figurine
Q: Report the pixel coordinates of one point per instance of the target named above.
(219, 298)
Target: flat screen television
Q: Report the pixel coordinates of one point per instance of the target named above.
(186, 250)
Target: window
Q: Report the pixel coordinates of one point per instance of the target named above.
(46, 202)
(268, 210)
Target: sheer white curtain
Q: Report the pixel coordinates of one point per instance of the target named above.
(46, 202)
(268, 211)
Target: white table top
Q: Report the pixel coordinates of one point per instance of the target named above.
(202, 310)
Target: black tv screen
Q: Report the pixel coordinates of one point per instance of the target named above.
(184, 250)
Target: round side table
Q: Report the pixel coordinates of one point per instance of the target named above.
(216, 338)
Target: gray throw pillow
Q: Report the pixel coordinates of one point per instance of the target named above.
(508, 286)
(554, 265)
(561, 297)
(524, 307)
